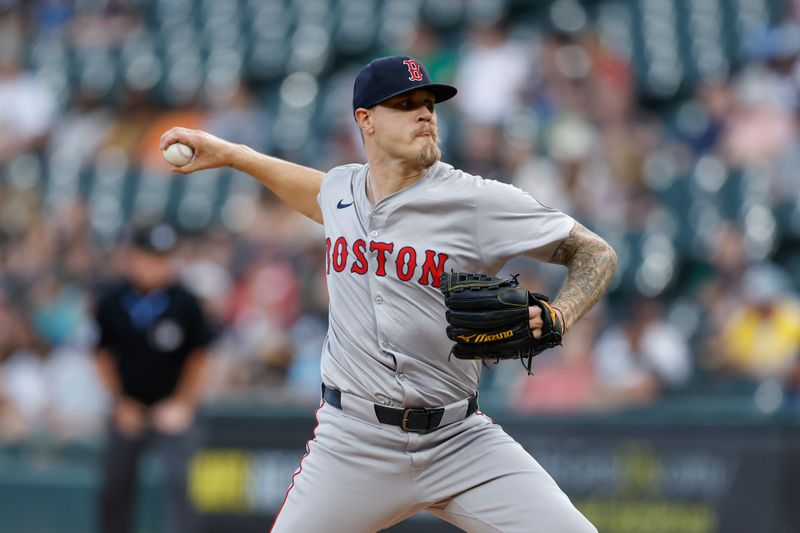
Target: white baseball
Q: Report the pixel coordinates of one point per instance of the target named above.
(178, 154)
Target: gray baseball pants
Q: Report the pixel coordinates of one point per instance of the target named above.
(360, 476)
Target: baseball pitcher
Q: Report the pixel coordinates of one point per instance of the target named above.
(413, 247)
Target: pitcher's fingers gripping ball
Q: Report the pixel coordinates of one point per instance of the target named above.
(488, 318)
(192, 150)
(178, 154)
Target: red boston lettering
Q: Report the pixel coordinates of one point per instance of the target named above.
(382, 248)
(339, 254)
(430, 267)
(406, 263)
(360, 264)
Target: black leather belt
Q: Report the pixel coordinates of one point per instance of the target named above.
(411, 419)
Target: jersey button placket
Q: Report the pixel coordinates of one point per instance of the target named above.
(375, 284)
(372, 282)
(402, 379)
(374, 287)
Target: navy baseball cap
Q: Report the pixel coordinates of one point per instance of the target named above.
(389, 76)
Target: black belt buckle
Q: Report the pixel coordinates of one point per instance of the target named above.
(420, 419)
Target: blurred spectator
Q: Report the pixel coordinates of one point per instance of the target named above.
(265, 306)
(480, 151)
(426, 45)
(78, 400)
(104, 23)
(761, 125)
(720, 292)
(235, 115)
(82, 129)
(212, 285)
(709, 121)
(23, 391)
(135, 112)
(762, 337)
(488, 56)
(151, 354)
(22, 378)
(640, 358)
(563, 380)
(540, 176)
(609, 98)
(48, 383)
(57, 311)
(52, 15)
(29, 107)
(11, 424)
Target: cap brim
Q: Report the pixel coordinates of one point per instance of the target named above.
(440, 91)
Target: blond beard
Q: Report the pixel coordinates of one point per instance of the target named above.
(431, 153)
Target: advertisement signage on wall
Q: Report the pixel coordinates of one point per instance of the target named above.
(626, 479)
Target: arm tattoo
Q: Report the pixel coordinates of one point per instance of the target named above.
(590, 263)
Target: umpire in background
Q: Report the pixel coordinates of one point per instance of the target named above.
(151, 353)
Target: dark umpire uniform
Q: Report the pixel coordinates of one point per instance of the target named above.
(151, 356)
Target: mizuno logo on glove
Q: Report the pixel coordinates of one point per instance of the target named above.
(487, 337)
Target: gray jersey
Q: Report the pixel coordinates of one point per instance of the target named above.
(386, 338)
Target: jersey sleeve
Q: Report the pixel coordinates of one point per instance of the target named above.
(510, 222)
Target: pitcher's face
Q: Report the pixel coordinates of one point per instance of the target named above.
(404, 127)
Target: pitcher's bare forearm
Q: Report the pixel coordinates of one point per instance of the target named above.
(590, 263)
(296, 185)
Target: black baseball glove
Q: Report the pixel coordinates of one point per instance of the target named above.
(488, 318)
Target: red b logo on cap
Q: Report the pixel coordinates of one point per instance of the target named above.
(413, 69)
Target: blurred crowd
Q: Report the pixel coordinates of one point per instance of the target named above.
(695, 185)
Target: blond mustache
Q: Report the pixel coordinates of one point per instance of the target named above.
(426, 129)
